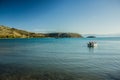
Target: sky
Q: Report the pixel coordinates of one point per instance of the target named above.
(79, 16)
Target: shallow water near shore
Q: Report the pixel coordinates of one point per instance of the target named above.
(59, 59)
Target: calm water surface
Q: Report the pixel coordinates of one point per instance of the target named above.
(59, 59)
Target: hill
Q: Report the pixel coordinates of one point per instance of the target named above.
(64, 35)
(7, 32)
(91, 37)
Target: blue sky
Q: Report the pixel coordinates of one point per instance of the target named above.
(80, 16)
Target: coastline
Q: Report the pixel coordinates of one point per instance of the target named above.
(7, 32)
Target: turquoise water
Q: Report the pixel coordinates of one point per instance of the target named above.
(59, 59)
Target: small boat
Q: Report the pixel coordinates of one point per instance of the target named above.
(92, 44)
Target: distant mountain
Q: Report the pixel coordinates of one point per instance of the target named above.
(7, 32)
(102, 35)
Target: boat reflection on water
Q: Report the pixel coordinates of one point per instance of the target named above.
(91, 49)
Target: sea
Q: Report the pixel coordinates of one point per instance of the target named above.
(60, 59)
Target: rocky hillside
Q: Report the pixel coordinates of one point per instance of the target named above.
(7, 32)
